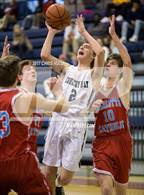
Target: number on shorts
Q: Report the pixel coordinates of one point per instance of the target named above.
(109, 116)
(72, 96)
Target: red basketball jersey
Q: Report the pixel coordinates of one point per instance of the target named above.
(34, 129)
(13, 132)
(112, 117)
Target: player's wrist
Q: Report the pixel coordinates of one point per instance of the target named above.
(84, 32)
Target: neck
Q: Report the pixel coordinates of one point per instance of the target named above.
(83, 66)
(29, 86)
(110, 82)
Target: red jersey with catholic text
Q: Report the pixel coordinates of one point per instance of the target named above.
(112, 117)
(13, 132)
(34, 127)
(34, 130)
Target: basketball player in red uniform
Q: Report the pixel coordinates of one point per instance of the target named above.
(18, 165)
(28, 80)
(112, 145)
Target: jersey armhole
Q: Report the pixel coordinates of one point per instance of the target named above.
(15, 112)
(126, 107)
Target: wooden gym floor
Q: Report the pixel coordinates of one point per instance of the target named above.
(74, 189)
(84, 183)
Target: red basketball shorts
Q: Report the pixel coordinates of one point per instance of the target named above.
(23, 176)
(112, 156)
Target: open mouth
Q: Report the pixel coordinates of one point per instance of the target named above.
(81, 53)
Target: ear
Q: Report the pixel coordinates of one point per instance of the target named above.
(19, 77)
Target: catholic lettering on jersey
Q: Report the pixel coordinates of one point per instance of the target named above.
(34, 130)
(110, 103)
(113, 126)
(111, 118)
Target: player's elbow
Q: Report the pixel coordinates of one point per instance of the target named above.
(128, 63)
(45, 56)
(101, 52)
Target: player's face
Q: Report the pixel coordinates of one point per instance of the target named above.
(111, 69)
(85, 52)
(29, 74)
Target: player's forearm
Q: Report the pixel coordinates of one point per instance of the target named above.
(41, 103)
(97, 48)
(122, 50)
(46, 49)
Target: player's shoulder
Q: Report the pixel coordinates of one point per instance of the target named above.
(25, 96)
(72, 68)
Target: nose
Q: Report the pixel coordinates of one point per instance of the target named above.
(33, 70)
(81, 47)
(108, 65)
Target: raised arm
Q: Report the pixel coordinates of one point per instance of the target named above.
(97, 72)
(6, 47)
(126, 80)
(56, 64)
(96, 47)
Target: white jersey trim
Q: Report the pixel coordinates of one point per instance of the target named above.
(100, 171)
(8, 89)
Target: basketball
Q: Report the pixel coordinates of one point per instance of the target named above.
(57, 16)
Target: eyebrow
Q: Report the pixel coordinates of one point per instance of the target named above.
(86, 45)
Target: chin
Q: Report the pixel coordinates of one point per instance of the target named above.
(106, 73)
(82, 58)
(33, 81)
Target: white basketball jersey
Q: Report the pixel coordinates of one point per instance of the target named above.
(78, 90)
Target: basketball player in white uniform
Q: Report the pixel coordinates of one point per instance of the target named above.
(67, 132)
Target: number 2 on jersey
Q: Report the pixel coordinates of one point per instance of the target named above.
(73, 94)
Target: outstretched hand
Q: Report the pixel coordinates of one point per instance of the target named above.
(80, 23)
(55, 85)
(52, 29)
(96, 105)
(51, 82)
(6, 47)
(112, 25)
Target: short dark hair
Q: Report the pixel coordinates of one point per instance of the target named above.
(116, 57)
(25, 63)
(9, 70)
